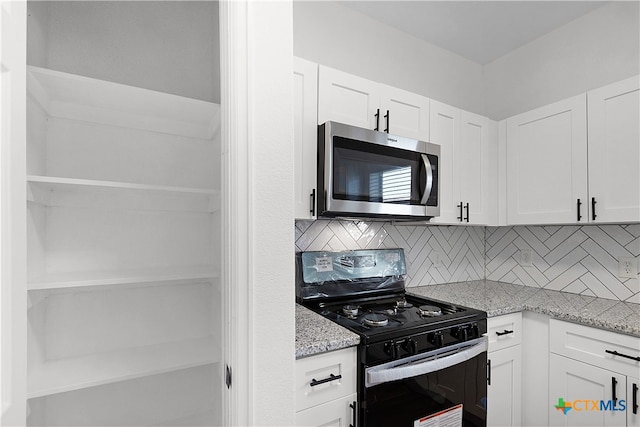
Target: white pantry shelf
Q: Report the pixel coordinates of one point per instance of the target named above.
(82, 98)
(58, 376)
(54, 182)
(106, 278)
(58, 191)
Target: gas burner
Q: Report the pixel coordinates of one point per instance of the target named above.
(375, 319)
(350, 310)
(403, 303)
(429, 310)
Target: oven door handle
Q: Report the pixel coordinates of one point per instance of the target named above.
(428, 184)
(397, 370)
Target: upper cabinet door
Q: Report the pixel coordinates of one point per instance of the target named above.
(404, 113)
(305, 116)
(614, 152)
(476, 163)
(348, 99)
(445, 131)
(547, 164)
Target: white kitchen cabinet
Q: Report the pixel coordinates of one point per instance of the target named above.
(476, 161)
(581, 383)
(305, 118)
(504, 391)
(353, 100)
(577, 161)
(468, 165)
(445, 131)
(633, 401)
(338, 412)
(123, 232)
(547, 164)
(614, 152)
(326, 391)
(407, 113)
(592, 364)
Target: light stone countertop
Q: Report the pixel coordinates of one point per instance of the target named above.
(315, 334)
(497, 298)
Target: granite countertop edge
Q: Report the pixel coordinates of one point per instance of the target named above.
(316, 334)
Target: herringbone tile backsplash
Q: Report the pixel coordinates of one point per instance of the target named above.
(577, 259)
(434, 254)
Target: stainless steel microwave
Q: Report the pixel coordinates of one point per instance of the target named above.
(371, 174)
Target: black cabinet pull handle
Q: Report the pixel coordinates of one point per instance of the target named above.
(593, 209)
(460, 206)
(387, 117)
(489, 372)
(467, 208)
(505, 332)
(579, 215)
(614, 383)
(635, 398)
(331, 377)
(377, 116)
(615, 353)
(313, 202)
(353, 413)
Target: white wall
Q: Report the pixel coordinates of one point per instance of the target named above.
(342, 38)
(599, 48)
(168, 46)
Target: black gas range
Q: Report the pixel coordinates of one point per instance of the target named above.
(403, 324)
(418, 358)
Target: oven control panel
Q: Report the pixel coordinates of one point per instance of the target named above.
(409, 345)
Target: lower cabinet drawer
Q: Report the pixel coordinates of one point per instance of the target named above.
(339, 412)
(504, 331)
(325, 377)
(606, 349)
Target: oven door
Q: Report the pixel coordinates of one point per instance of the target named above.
(447, 386)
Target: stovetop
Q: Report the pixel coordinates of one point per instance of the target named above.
(399, 314)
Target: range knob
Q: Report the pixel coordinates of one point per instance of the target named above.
(437, 339)
(410, 346)
(392, 349)
(475, 331)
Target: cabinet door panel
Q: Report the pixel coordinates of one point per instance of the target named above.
(614, 151)
(408, 113)
(504, 400)
(546, 164)
(572, 381)
(476, 161)
(445, 131)
(348, 99)
(336, 413)
(305, 116)
(633, 396)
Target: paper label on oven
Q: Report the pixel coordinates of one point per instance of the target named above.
(451, 417)
(324, 263)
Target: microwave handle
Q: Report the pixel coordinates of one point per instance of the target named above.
(429, 179)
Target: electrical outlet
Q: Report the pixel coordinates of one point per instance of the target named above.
(526, 258)
(628, 267)
(437, 259)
